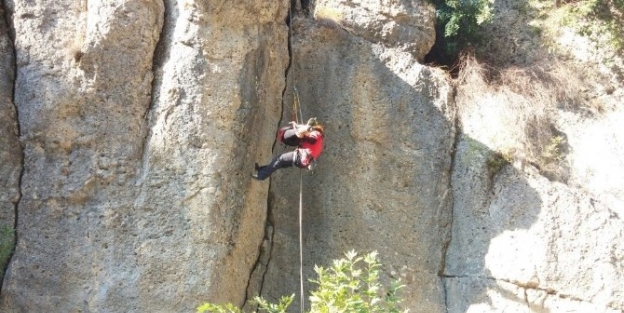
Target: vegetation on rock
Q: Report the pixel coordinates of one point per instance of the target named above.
(350, 284)
(458, 25)
(6, 243)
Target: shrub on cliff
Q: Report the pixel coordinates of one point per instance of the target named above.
(6, 243)
(458, 24)
(596, 19)
(350, 284)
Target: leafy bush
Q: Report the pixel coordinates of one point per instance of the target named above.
(264, 305)
(458, 25)
(351, 284)
(599, 20)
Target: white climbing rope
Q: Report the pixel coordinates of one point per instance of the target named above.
(296, 105)
(301, 237)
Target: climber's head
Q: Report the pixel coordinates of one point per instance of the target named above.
(318, 127)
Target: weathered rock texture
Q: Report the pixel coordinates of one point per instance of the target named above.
(407, 25)
(217, 100)
(522, 242)
(383, 182)
(140, 121)
(10, 150)
(135, 194)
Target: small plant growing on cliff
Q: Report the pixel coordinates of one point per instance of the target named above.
(497, 160)
(350, 284)
(264, 306)
(598, 20)
(6, 244)
(552, 151)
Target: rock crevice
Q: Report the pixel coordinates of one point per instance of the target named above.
(11, 150)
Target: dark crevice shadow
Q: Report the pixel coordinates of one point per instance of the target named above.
(12, 127)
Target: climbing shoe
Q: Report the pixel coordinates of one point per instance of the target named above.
(255, 176)
(258, 167)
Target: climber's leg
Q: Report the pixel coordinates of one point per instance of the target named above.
(282, 161)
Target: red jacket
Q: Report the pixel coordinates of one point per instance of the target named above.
(311, 147)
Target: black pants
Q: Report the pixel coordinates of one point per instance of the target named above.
(284, 160)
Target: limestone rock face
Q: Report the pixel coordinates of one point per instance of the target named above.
(10, 150)
(404, 24)
(523, 243)
(140, 121)
(217, 100)
(522, 240)
(129, 128)
(518, 246)
(382, 183)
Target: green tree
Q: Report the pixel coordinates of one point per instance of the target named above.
(350, 284)
(458, 24)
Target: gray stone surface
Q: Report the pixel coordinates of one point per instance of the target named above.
(522, 242)
(217, 100)
(82, 92)
(527, 231)
(382, 183)
(502, 296)
(141, 121)
(404, 24)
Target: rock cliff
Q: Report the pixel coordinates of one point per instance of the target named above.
(129, 129)
(139, 121)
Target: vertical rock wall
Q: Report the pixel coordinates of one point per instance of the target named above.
(217, 99)
(140, 122)
(523, 240)
(82, 91)
(383, 181)
(523, 243)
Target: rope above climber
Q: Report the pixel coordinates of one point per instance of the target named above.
(308, 138)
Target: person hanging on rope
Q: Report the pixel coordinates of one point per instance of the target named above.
(307, 138)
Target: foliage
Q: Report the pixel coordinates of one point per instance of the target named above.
(600, 20)
(497, 160)
(7, 242)
(264, 305)
(458, 25)
(553, 150)
(351, 284)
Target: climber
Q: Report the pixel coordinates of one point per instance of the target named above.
(307, 138)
